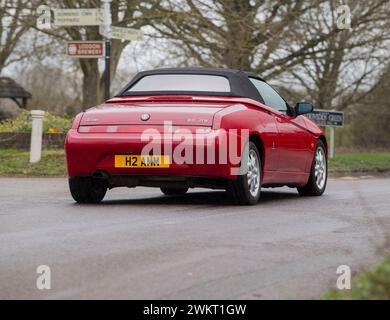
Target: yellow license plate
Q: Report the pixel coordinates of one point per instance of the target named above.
(141, 161)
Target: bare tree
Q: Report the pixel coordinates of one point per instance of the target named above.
(241, 34)
(299, 42)
(345, 66)
(15, 20)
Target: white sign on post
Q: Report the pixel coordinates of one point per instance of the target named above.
(125, 33)
(78, 17)
(329, 118)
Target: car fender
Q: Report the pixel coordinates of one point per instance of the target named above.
(258, 121)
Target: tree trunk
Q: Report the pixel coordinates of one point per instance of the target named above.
(237, 48)
(90, 82)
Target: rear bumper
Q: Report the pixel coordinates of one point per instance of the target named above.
(88, 153)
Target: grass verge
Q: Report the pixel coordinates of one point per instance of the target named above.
(372, 285)
(16, 162)
(359, 163)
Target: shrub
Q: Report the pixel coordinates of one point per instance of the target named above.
(372, 285)
(22, 123)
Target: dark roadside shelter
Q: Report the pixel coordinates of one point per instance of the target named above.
(10, 89)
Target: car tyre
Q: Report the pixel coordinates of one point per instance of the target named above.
(173, 191)
(87, 189)
(318, 174)
(246, 189)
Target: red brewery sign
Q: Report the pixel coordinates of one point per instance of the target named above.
(85, 49)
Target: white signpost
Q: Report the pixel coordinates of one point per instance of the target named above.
(328, 118)
(81, 49)
(78, 17)
(93, 17)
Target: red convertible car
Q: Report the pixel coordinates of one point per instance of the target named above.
(184, 128)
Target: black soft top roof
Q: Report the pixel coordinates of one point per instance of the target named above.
(240, 85)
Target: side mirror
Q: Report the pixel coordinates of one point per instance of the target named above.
(303, 108)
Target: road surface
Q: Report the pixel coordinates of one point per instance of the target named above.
(139, 244)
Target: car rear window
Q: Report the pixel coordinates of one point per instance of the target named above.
(181, 82)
